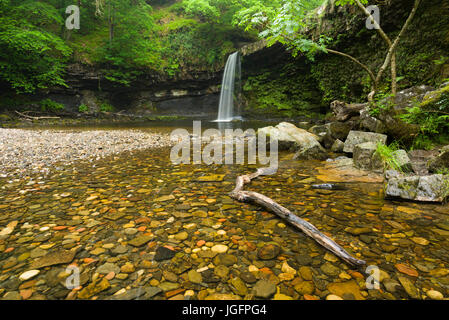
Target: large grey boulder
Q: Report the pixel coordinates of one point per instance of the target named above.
(357, 137)
(402, 160)
(433, 188)
(368, 122)
(363, 154)
(324, 135)
(339, 130)
(292, 138)
(337, 146)
(440, 162)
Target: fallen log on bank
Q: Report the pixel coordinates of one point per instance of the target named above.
(310, 230)
(28, 117)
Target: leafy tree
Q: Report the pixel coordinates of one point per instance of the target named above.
(289, 25)
(31, 57)
(131, 47)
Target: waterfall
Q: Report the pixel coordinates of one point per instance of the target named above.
(230, 90)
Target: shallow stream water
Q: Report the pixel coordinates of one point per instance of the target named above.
(140, 227)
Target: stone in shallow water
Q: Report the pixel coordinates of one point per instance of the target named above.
(28, 274)
(53, 258)
(268, 251)
(163, 253)
(264, 289)
(305, 287)
(303, 259)
(181, 236)
(211, 178)
(409, 287)
(219, 248)
(95, 287)
(306, 273)
(330, 269)
(151, 292)
(248, 277)
(238, 287)
(140, 240)
(222, 296)
(357, 231)
(221, 271)
(225, 259)
(13, 295)
(107, 268)
(406, 269)
(435, 295)
(168, 286)
(345, 288)
(119, 249)
(194, 276)
(164, 198)
(112, 216)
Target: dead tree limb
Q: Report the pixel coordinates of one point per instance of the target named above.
(34, 118)
(250, 196)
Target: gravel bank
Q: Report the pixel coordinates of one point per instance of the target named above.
(25, 151)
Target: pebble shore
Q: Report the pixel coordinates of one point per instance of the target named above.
(25, 151)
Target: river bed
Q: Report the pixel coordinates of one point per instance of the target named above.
(133, 225)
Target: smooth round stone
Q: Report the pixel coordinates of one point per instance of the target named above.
(28, 274)
(181, 236)
(253, 268)
(189, 293)
(333, 297)
(219, 248)
(131, 231)
(268, 251)
(435, 295)
(44, 229)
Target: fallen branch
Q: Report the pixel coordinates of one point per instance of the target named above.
(34, 118)
(250, 196)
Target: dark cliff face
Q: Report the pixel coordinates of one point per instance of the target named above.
(194, 93)
(276, 83)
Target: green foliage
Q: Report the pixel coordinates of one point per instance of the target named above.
(106, 107)
(287, 92)
(383, 102)
(201, 8)
(31, 57)
(48, 105)
(288, 25)
(432, 114)
(83, 108)
(129, 50)
(386, 154)
(443, 171)
(350, 2)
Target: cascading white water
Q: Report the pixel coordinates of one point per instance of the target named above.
(231, 81)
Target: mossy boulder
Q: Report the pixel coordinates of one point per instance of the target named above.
(433, 98)
(433, 188)
(440, 162)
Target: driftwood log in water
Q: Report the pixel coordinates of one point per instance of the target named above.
(250, 196)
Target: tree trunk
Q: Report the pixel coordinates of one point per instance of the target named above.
(284, 213)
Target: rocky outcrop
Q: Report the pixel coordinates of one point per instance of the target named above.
(363, 155)
(440, 162)
(290, 137)
(433, 188)
(357, 137)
